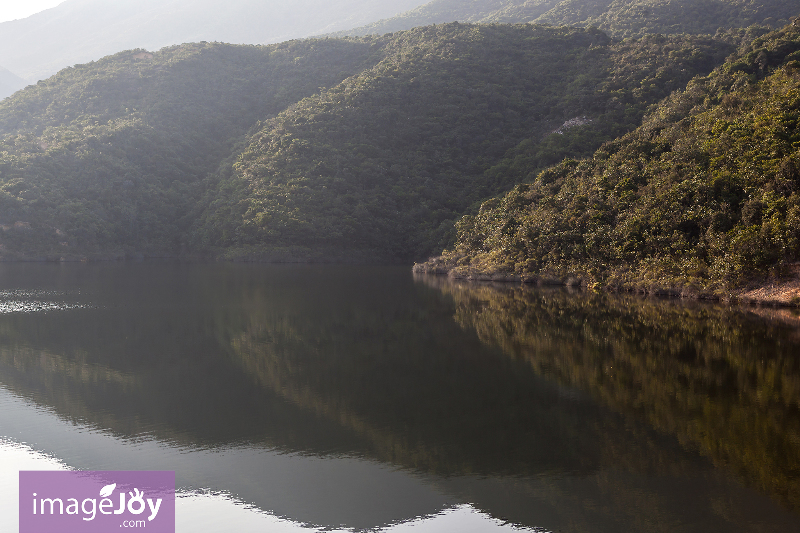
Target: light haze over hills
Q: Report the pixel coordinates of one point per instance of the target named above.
(9, 82)
(618, 18)
(15, 9)
(362, 149)
(79, 31)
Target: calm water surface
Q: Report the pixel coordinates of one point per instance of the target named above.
(296, 398)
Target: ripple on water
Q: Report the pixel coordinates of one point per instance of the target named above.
(28, 301)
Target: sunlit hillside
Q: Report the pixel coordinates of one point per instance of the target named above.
(702, 198)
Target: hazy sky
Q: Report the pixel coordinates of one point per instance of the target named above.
(19, 9)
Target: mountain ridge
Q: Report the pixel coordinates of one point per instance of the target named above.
(110, 157)
(79, 31)
(373, 148)
(619, 18)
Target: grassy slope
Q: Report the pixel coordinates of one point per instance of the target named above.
(703, 197)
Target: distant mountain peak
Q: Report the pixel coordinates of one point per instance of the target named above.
(79, 31)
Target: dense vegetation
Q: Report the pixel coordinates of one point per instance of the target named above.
(111, 157)
(704, 195)
(625, 18)
(380, 165)
(364, 148)
(619, 18)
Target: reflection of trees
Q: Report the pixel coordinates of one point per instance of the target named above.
(720, 379)
(370, 364)
(438, 402)
(143, 372)
(26, 368)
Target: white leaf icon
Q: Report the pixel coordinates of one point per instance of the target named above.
(107, 490)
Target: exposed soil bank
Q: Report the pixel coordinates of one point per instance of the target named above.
(783, 293)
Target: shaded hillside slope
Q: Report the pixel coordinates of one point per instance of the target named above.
(619, 18)
(703, 197)
(110, 158)
(77, 31)
(380, 165)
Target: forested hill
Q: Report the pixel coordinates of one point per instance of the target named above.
(618, 18)
(367, 148)
(381, 165)
(112, 157)
(703, 198)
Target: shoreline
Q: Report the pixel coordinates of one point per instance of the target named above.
(784, 293)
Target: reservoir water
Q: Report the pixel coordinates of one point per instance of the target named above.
(295, 398)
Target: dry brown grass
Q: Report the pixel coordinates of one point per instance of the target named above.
(784, 292)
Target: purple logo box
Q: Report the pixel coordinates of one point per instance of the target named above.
(96, 501)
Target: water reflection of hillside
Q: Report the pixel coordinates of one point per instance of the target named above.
(344, 362)
(422, 393)
(723, 380)
(222, 355)
(148, 359)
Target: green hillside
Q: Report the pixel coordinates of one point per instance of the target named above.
(355, 149)
(619, 18)
(702, 198)
(111, 157)
(625, 18)
(381, 165)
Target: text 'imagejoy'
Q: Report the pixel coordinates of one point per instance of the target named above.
(95, 501)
